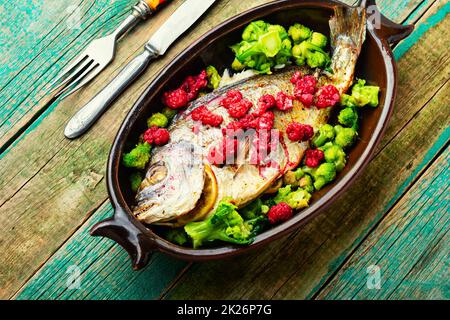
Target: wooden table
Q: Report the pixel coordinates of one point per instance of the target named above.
(393, 222)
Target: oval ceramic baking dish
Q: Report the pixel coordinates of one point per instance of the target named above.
(376, 64)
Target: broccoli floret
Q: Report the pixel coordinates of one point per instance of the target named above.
(298, 178)
(348, 117)
(169, 113)
(325, 134)
(254, 30)
(213, 77)
(318, 39)
(313, 55)
(280, 29)
(252, 210)
(283, 57)
(345, 137)
(365, 95)
(138, 157)
(322, 175)
(295, 199)
(348, 101)
(270, 43)
(306, 183)
(299, 33)
(224, 224)
(334, 153)
(237, 65)
(157, 119)
(177, 236)
(135, 181)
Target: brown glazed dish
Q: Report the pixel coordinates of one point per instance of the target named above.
(376, 64)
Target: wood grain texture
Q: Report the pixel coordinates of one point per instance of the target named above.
(89, 268)
(415, 232)
(79, 187)
(52, 33)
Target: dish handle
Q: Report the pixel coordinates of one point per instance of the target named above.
(386, 29)
(128, 233)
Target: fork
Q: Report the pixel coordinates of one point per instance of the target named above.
(99, 53)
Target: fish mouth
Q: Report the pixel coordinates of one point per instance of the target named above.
(173, 184)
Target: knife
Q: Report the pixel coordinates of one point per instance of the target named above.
(180, 21)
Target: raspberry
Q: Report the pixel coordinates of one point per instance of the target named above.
(299, 132)
(265, 103)
(313, 158)
(193, 84)
(304, 90)
(197, 113)
(188, 91)
(206, 117)
(239, 109)
(328, 96)
(233, 96)
(157, 136)
(265, 121)
(176, 99)
(284, 102)
(279, 213)
(296, 76)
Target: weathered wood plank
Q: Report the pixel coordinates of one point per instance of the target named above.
(415, 231)
(48, 38)
(104, 130)
(87, 268)
(316, 252)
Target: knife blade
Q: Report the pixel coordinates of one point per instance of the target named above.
(179, 22)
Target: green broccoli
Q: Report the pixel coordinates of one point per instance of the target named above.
(349, 117)
(254, 30)
(334, 154)
(299, 33)
(295, 199)
(169, 113)
(135, 180)
(224, 224)
(348, 101)
(308, 53)
(270, 43)
(365, 95)
(138, 157)
(319, 40)
(177, 236)
(283, 57)
(237, 65)
(298, 178)
(157, 119)
(280, 29)
(325, 134)
(322, 175)
(345, 137)
(213, 77)
(252, 210)
(306, 183)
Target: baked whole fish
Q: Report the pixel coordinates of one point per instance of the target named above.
(183, 184)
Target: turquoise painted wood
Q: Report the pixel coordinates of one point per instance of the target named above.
(94, 268)
(103, 268)
(32, 54)
(415, 231)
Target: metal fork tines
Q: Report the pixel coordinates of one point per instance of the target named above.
(96, 56)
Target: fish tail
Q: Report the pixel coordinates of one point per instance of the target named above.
(348, 25)
(348, 32)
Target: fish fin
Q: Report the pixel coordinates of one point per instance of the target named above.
(348, 24)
